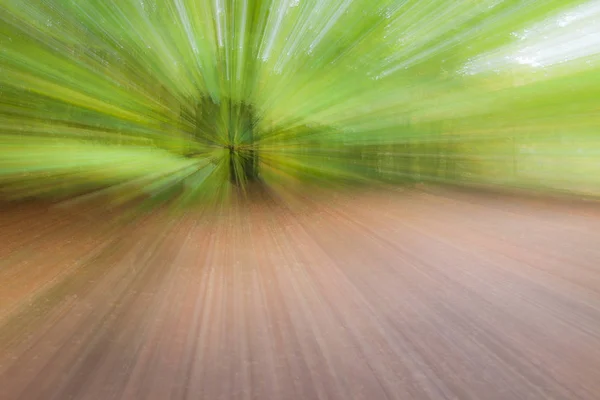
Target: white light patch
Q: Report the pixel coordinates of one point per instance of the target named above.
(572, 35)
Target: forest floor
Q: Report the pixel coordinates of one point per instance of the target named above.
(430, 294)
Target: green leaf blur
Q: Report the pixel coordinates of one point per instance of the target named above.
(187, 100)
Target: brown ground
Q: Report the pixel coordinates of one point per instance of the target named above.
(415, 295)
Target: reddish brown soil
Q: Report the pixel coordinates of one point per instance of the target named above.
(406, 295)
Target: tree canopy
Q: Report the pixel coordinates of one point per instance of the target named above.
(192, 98)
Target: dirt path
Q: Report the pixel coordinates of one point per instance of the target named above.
(438, 295)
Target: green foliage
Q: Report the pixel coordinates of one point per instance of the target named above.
(180, 98)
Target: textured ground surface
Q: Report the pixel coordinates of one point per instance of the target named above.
(438, 295)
